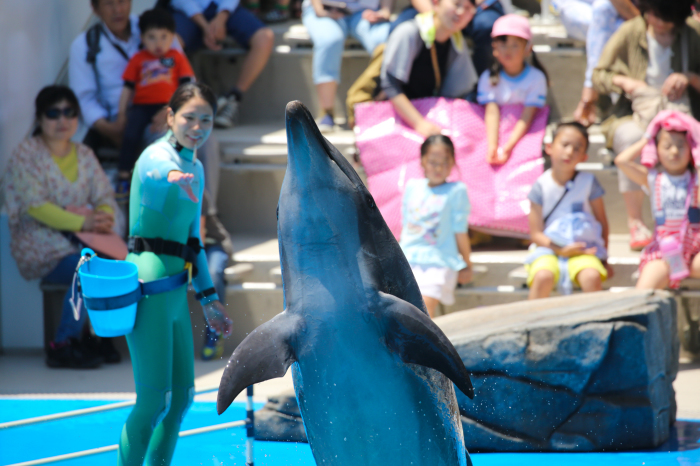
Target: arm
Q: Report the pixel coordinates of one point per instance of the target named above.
(410, 115)
(625, 8)
(536, 221)
(124, 101)
(598, 208)
(56, 217)
(422, 5)
(382, 14)
(465, 249)
(613, 62)
(492, 119)
(522, 126)
(627, 162)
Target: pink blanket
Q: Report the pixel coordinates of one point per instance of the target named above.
(390, 155)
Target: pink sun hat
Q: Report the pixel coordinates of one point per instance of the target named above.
(512, 25)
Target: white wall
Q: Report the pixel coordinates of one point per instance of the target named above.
(35, 38)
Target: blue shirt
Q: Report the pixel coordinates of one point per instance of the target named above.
(431, 216)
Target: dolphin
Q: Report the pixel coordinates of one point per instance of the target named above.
(373, 374)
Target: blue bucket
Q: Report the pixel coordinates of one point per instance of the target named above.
(103, 278)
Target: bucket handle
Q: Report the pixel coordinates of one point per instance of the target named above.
(76, 304)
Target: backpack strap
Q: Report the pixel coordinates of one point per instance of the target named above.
(569, 184)
(92, 37)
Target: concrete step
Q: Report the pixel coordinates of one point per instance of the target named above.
(287, 75)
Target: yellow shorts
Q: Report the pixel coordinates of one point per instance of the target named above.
(576, 264)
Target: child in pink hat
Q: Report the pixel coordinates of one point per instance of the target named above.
(669, 154)
(511, 80)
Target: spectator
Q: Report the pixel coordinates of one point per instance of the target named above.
(667, 172)
(434, 234)
(511, 80)
(414, 49)
(328, 25)
(567, 220)
(646, 55)
(150, 79)
(95, 73)
(594, 21)
(207, 22)
(47, 174)
(478, 29)
(97, 61)
(219, 250)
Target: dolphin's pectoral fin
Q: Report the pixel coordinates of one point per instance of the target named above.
(264, 354)
(413, 335)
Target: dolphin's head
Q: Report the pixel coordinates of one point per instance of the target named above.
(322, 197)
(329, 217)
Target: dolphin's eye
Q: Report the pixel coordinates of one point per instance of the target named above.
(370, 202)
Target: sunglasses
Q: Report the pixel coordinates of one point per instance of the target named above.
(55, 113)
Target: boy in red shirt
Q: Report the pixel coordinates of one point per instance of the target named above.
(151, 78)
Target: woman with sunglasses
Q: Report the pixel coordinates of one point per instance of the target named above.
(46, 176)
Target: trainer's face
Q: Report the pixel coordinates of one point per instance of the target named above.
(114, 13)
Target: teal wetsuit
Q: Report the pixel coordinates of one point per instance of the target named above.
(162, 352)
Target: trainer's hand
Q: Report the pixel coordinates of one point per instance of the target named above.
(217, 319)
(185, 181)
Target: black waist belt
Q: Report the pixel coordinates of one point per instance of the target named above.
(161, 285)
(188, 252)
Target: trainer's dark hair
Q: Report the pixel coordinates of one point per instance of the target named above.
(437, 139)
(157, 18)
(50, 96)
(496, 67)
(574, 125)
(189, 90)
(675, 11)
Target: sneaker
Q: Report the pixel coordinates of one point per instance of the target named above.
(123, 191)
(640, 236)
(213, 346)
(227, 113)
(326, 124)
(102, 348)
(276, 15)
(69, 354)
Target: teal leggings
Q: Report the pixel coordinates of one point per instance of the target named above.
(162, 352)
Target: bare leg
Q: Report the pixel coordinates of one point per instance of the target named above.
(590, 280)
(585, 111)
(633, 203)
(695, 267)
(654, 275)
(326, 94)
(542, 285)
(260, 48)
(431, 304)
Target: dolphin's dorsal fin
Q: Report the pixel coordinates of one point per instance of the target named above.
(264, 354)
(413, 335)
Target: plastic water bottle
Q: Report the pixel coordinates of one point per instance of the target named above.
(672, 253)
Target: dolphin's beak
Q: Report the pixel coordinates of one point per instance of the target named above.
(303, 136)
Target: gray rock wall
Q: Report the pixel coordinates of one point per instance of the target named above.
(586, 372)
(577, 373)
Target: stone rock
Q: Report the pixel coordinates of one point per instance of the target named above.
(589, 372)
(280, 420)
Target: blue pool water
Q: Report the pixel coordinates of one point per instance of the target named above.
(227, 448)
